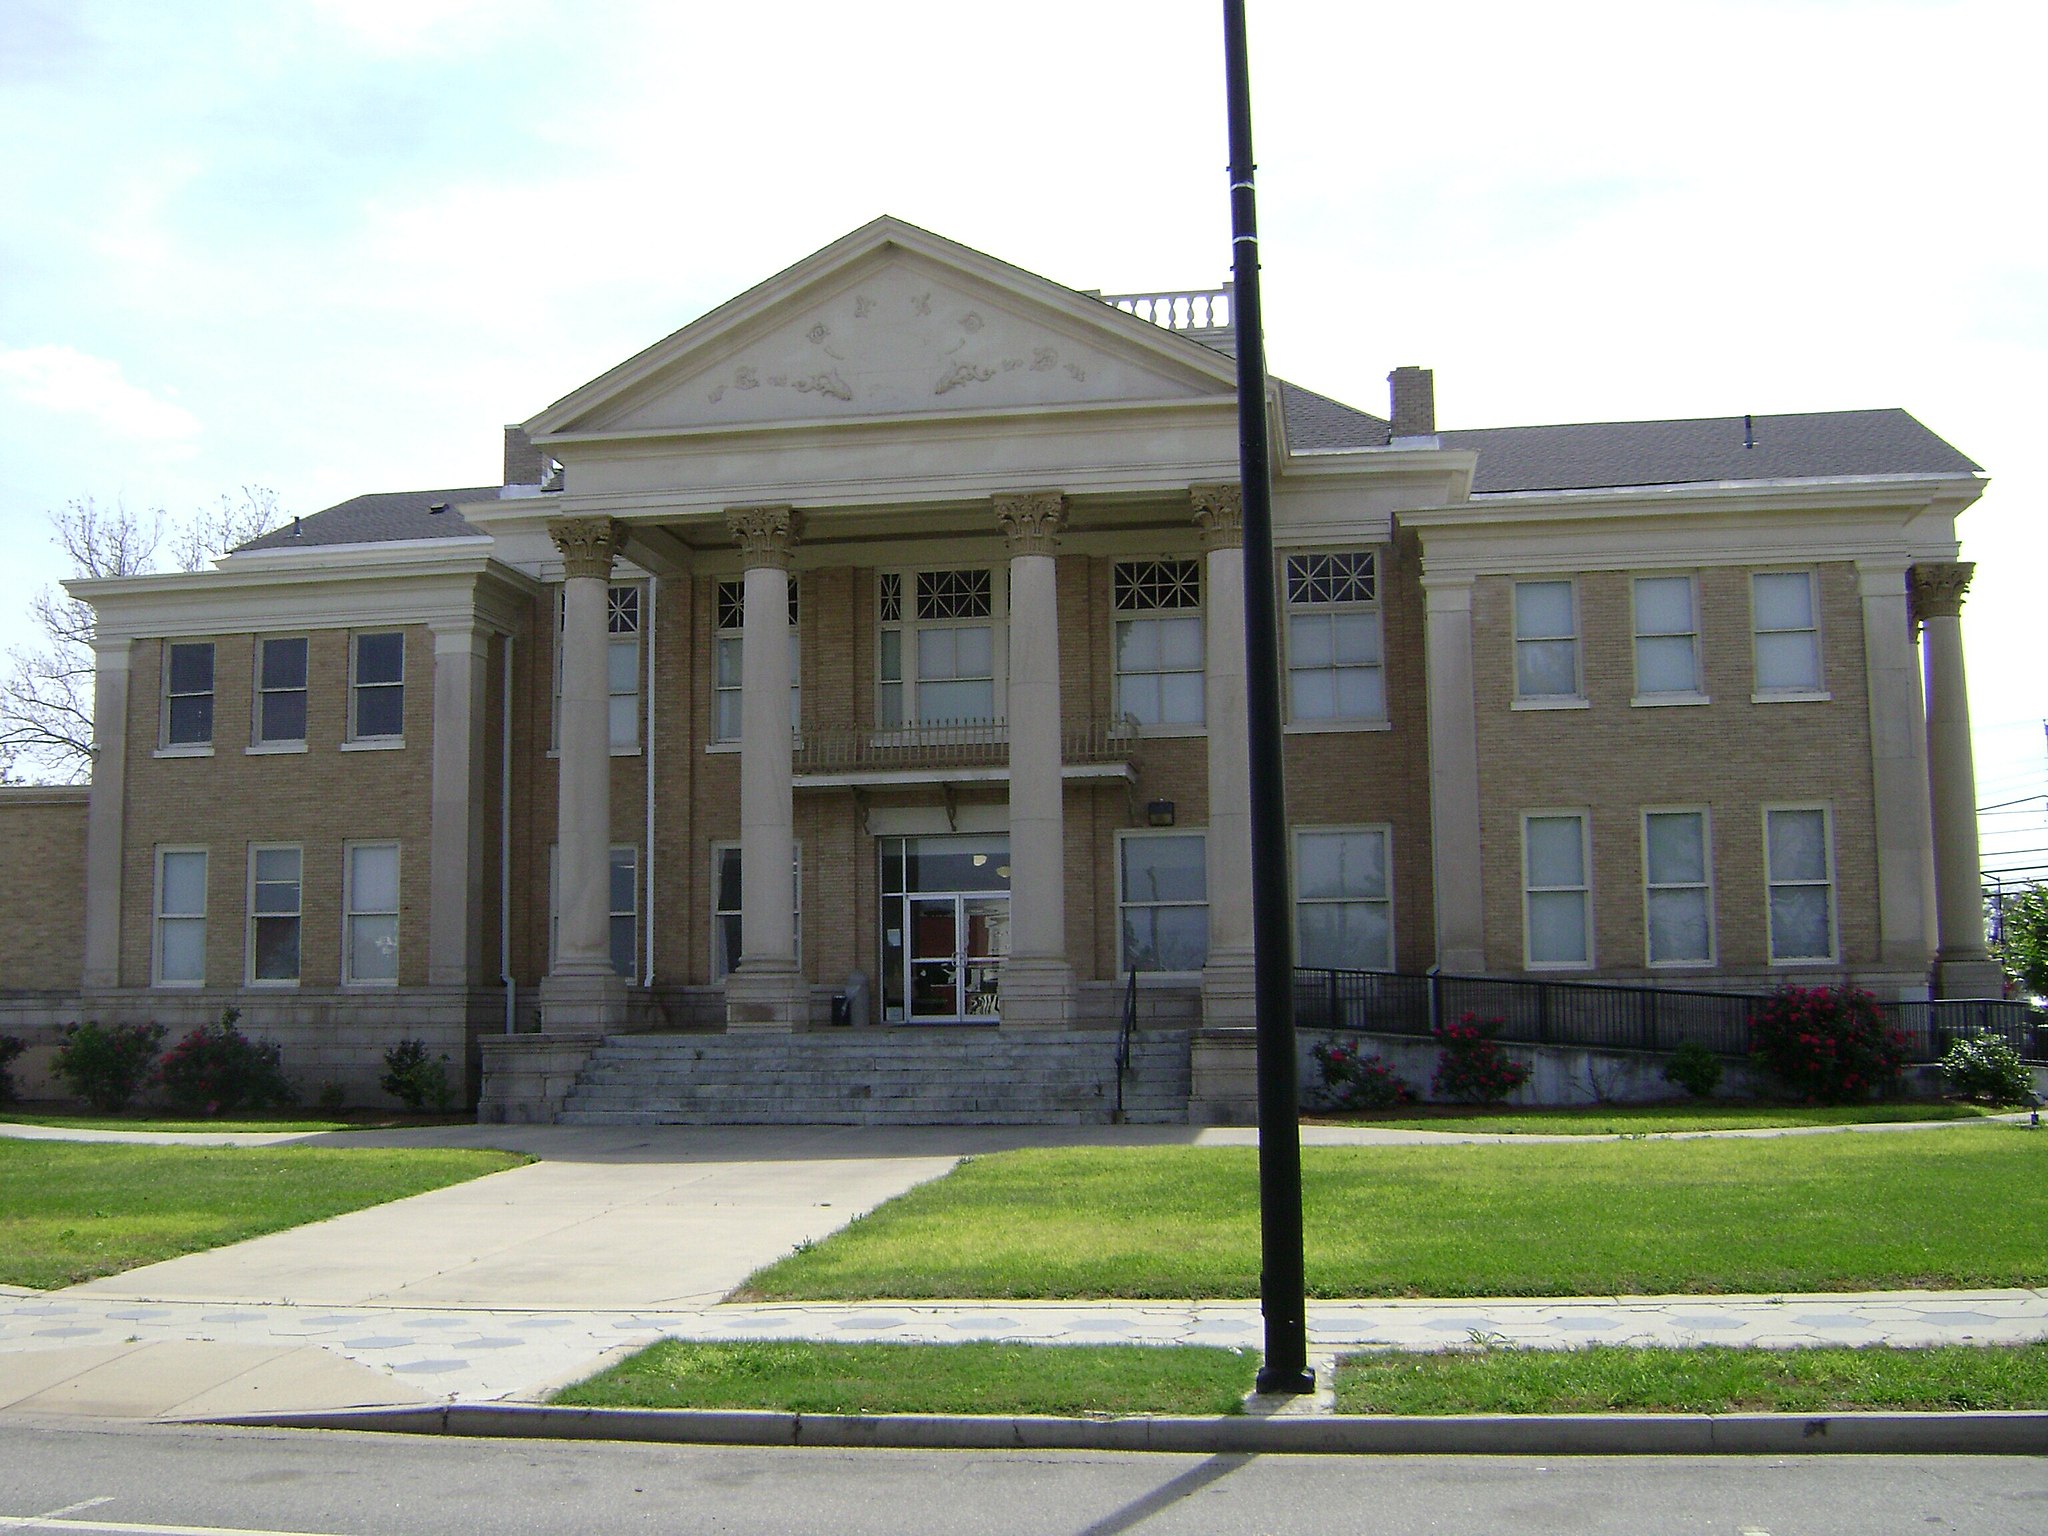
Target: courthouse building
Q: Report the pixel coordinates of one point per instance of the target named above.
(872, 648)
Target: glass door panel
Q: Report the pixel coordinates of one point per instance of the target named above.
(934, 957)
(985, 930)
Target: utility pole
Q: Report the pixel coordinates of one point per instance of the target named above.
(1282, 1284)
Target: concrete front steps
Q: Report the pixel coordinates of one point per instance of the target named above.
(933, 1076)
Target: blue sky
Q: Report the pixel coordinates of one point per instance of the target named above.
(330, 247)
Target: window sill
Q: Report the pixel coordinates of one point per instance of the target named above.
(375, 744)
(1808, 961)
(1661, 966)
(1668, 700)
(1793, 696)
(177, 986)
(370, 986)
(1334, 727)
(1555, 967)
(272, 985)
(1553, 701)
(195, 749)
(274, 748)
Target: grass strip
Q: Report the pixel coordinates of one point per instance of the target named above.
(1065, 1380)
(1602, 1218)
(1645, 1119)
(254, 1121)
(72, 1211)
(1611, 1378)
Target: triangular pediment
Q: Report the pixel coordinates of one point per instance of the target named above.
(891, 321)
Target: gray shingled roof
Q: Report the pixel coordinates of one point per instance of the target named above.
(1317, 421)
(1814, 445)
(377, 518)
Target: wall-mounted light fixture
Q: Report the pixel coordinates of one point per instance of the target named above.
(1159, 813)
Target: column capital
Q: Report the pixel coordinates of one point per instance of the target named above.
(1219, 514)
(1032, 520)
(1938, 589)
(766, 535)
(588, 544)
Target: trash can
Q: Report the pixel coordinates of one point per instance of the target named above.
(842, 1011)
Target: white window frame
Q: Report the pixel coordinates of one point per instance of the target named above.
(297, 915)
(1576, 698)
(349, 913)
(357, 740)
(1120, 615)
(1830, 886)
(1329, 611)
(1584, 889)
(1818, 690)
(260, 693)
(159, 918)
(1645, 697)
(196, 746)
(729, 640)
(719, 969)
(1385, 832)
(1125, 903)
(908, 627)
(625, 615)
(1704, 886)
(619, 853)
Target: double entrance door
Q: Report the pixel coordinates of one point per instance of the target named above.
(945, 928)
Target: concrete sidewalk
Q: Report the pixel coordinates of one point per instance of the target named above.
(509, 1286)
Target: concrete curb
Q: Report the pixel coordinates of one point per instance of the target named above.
(1915, 1434)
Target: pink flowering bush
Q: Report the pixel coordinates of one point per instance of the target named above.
(1829, 1044)
(1353, 1081)
(1472, 1067)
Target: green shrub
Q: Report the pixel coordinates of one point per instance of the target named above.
(11, 1046)
(1985, 1067)
(216, 1068)
(1695, 1069)
(1352, 1081)
(415, 1078)
(106, 1064)
(330, 1100)
(1472, 1067)
(1827, 1043)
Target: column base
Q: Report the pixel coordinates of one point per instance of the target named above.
(1968, 978)
(1230, 995)
(1225, 1077)
(1037, 994)
(766, 1001)
(577, 1003)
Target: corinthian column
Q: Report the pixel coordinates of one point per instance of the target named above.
(1962, 966)
(582, 992)
(1037, 980)
(1228, 989)
(767, 992)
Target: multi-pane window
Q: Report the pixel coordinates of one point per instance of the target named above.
(377, 687)
(1162, 902)
(274, 913)
(1799, 856)
(1677, 894)
(1158, 607)
(1335, 669)
(281, 691)
(621, 667)
(937, 646)
(725, 907)
(1556, 890)
(180, 948)
(370, 913)
(1787, 632)
(1667, 636)
(1343, 900)
(188, 694)
(726, 652)
(1546, 641)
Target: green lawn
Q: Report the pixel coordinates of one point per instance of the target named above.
(70, 1211)
(1638, 1119)
(1963, 1207)
(254, 1120)
(1064, 1380)
(1611, 1379)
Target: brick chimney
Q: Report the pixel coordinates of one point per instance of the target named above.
(524, 463)
(1414, 403)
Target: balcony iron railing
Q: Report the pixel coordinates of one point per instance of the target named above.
(938, 745)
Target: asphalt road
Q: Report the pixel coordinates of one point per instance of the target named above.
(153, 1480)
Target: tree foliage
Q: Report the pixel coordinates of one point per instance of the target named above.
(2023, 939)
(46, 695)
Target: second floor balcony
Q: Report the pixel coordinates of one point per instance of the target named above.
(956, 751)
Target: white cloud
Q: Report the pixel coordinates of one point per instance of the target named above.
(74, 383)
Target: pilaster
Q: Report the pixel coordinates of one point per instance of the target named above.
(105, 814)
(1454, 775)
(455, 900)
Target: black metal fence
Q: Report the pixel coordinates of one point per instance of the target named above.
(1608, 1016)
